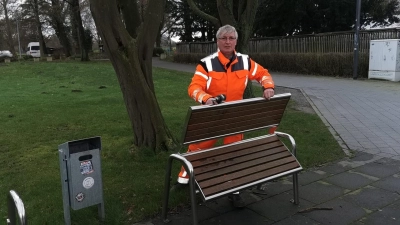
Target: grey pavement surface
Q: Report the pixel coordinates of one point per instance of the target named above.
(364, 116)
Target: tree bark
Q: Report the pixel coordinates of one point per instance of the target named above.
(132, 61)
(58, 25)
(43, 48)
(204, 15)
(10, 41)
(80, 31)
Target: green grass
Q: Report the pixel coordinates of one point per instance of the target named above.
(45, 104)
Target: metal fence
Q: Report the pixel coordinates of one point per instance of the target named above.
(336, 42)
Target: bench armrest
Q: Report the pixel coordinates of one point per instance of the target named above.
(292, 141)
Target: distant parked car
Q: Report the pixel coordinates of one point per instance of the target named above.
(6, 54)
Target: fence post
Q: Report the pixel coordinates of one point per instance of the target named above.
(356, 40)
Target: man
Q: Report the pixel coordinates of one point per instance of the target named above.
(225, 72)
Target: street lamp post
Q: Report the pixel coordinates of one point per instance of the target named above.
(356, 40)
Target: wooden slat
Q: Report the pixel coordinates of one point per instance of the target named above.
(208, 122)
(241, 164)
(260, 117)
(193, 156)
(242, 171)
(250, 178)
(220, 112)
(220, 161)
(226, 130)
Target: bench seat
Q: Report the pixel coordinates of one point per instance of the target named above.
(229, 168)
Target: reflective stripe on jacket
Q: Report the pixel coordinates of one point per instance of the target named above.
(217, 75)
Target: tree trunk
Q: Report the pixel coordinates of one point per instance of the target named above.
(80, 31)
(246, 17)
(59, 27)
(10, 41)
(63, 37)
(132, 61)
(43, 48)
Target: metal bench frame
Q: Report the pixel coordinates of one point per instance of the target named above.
(222, 111)
(15, 206)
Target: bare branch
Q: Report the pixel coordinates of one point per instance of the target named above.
(203, 15)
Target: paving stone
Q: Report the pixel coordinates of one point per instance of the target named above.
(378, 169)
(335, 168)
(388, 161)
(186, 216)
(307, 177)
(391, 183)
(275, 187)
(388, 215)
(342, 212)
(238, 217)
(319, 192)
(354, 163)
(350, 180)
(396, 157)
(385, 154)
(371, 198)
(363, 157)
(297, 220)
(223, 205)
(278, 207)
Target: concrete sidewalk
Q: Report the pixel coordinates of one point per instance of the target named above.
(365, 189)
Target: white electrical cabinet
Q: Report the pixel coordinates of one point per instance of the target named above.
(384, 59)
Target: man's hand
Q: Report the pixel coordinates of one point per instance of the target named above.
(211, 101)
(268, 93)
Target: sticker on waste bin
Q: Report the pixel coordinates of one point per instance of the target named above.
(88, 182)
(80, 196)
(86, 167)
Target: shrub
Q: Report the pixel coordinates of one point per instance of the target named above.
(327, 64)
(188, 58)
(157, 51)
(26, 57)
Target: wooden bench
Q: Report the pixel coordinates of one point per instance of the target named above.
(226, 169)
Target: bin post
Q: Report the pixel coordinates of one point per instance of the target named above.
(80, 171)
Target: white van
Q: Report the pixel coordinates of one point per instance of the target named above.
(33, 49)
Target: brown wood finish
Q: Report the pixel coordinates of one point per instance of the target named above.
(207, 122)
(240, 181)
(235, 165)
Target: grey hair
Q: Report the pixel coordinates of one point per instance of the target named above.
(226, 29)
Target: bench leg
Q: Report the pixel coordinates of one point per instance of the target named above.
(166, 190)
(193, 197)
(188, 167)
(295, 189)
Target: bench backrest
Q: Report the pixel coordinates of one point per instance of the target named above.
(209, 122)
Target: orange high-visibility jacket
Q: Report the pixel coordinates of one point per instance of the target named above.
(216, 75)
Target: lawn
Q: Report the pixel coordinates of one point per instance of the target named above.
(45, 104)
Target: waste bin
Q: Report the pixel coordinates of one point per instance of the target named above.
(80, 169)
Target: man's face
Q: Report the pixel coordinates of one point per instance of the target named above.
(226, 43)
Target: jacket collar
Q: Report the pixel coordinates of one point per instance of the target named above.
(225, 61)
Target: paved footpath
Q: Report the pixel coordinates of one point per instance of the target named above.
(364, 116)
